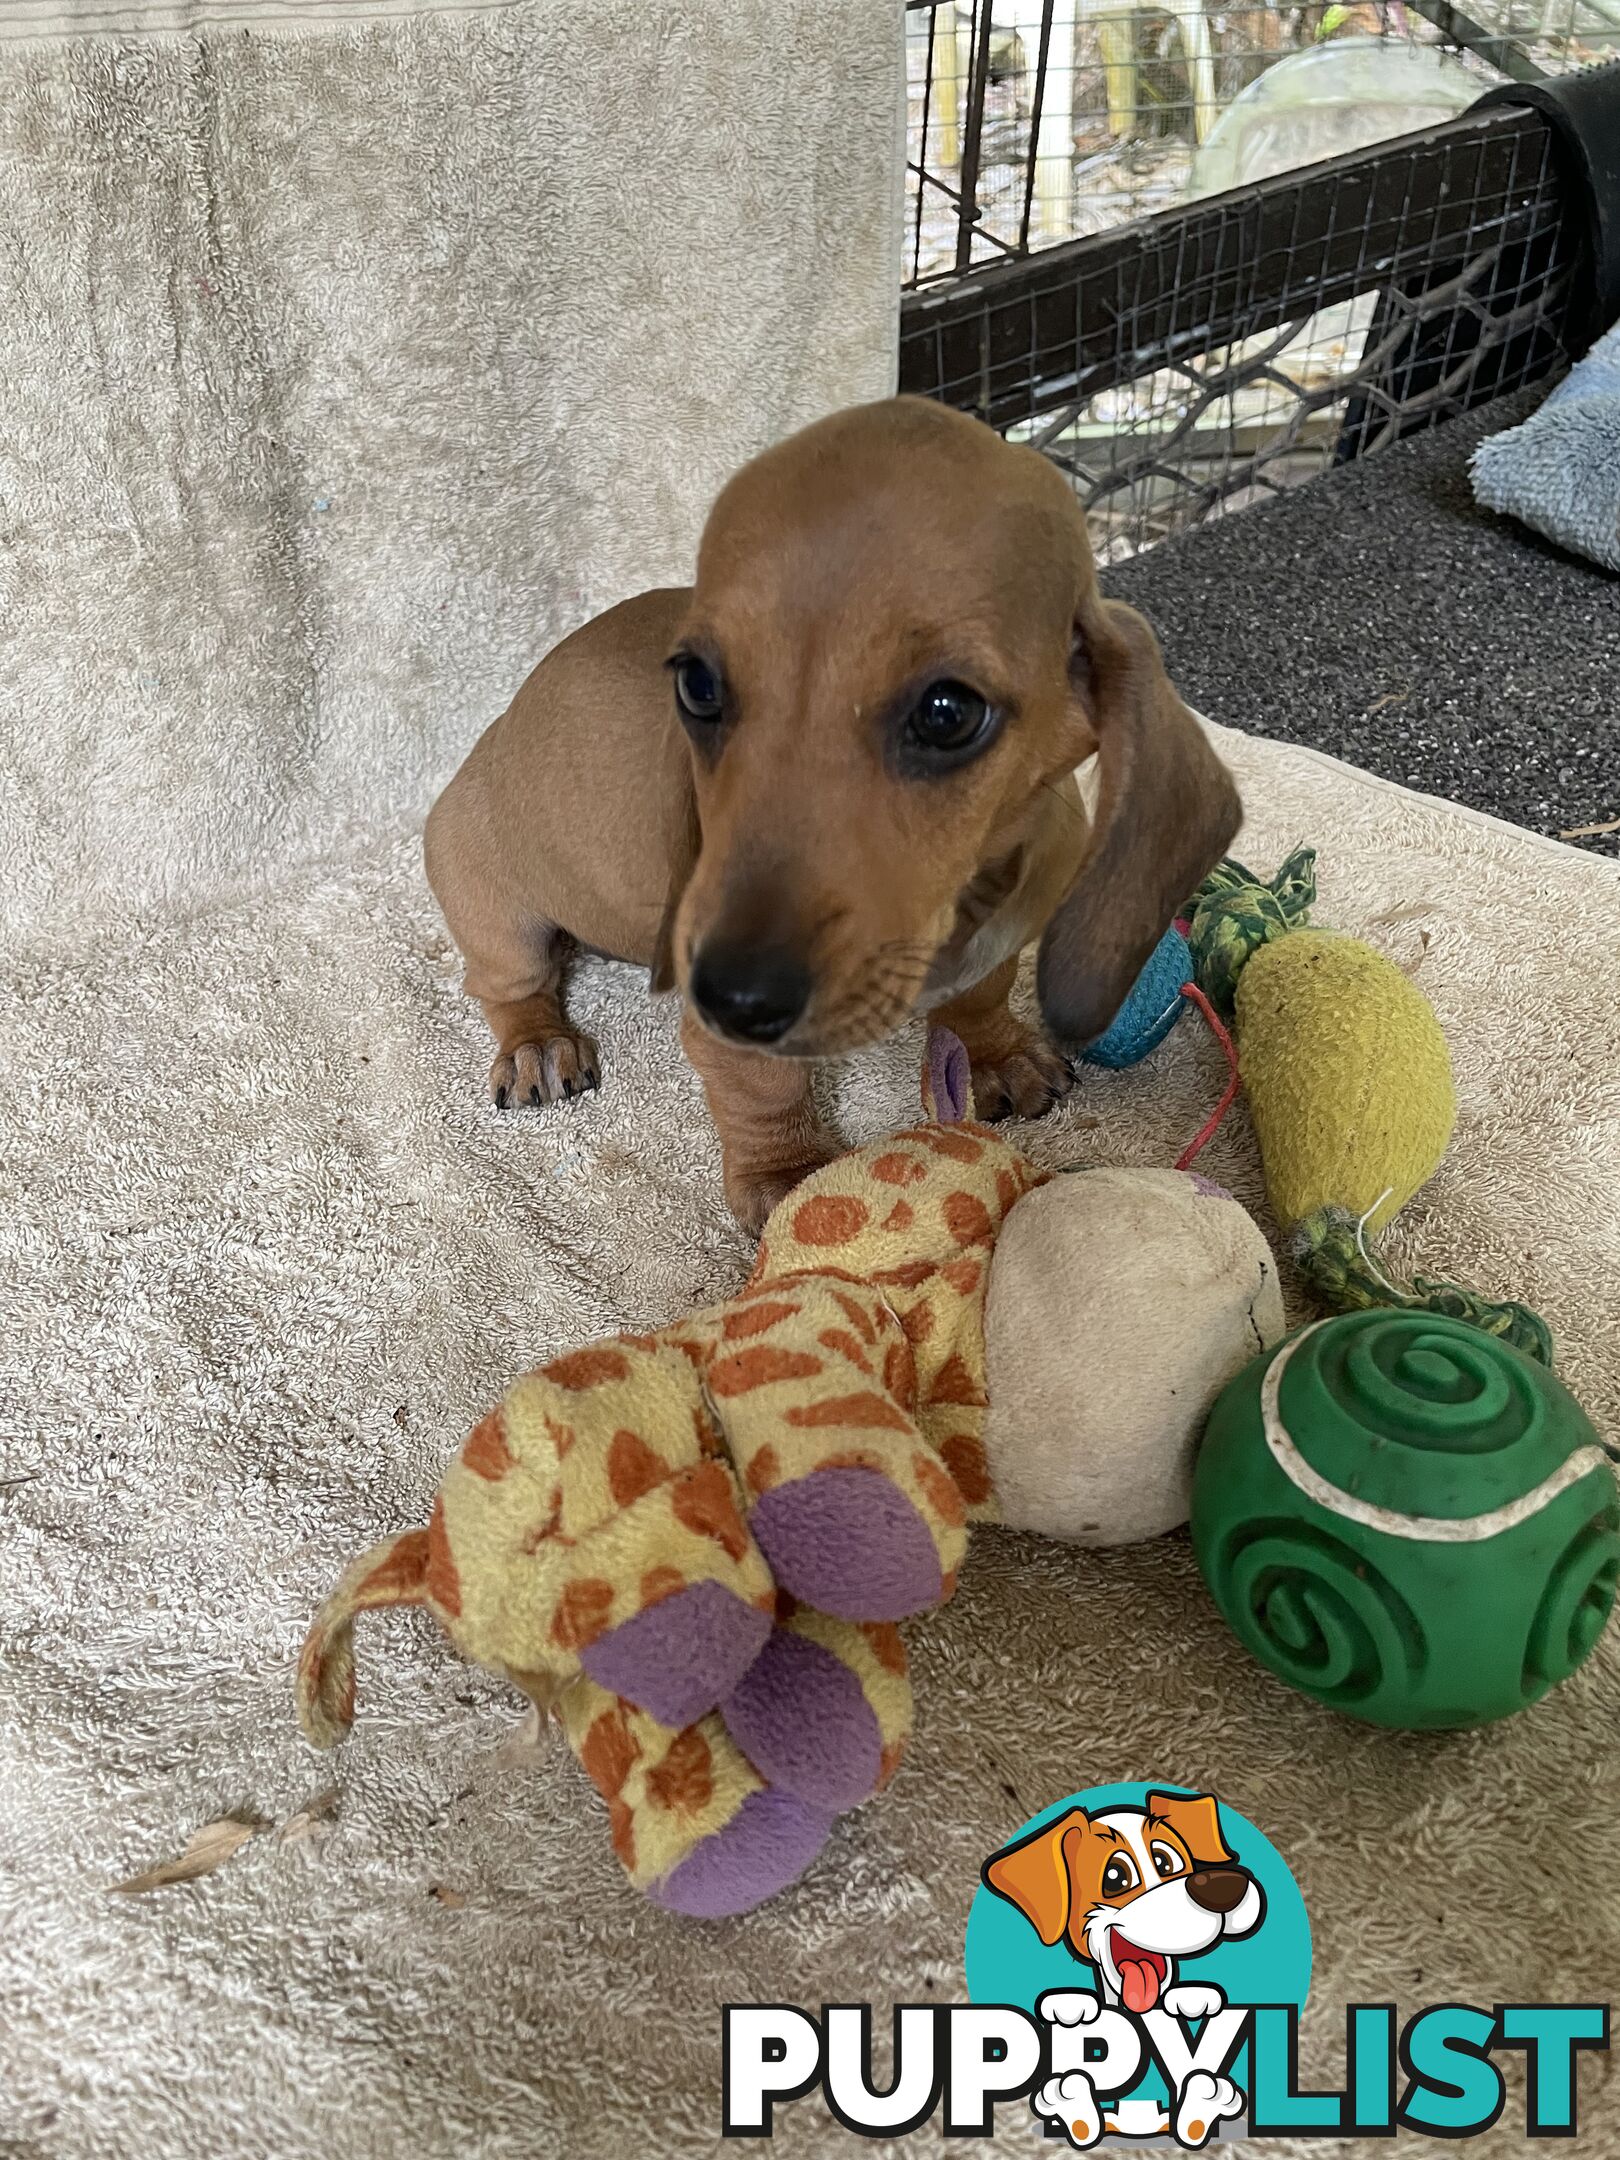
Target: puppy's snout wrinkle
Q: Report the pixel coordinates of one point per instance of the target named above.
(1217, 1890)
(753, 993)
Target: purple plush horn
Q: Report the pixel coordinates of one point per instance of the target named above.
(947, 1078)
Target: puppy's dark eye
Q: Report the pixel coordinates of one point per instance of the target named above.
(949, 717)
(1167, 1860)
(697, 687)
(1118, 1877)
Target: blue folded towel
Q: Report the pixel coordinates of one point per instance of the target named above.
(1560, 470)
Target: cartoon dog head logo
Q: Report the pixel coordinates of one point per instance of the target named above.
(1130, 1890)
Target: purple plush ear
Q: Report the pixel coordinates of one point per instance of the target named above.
(947, 1078)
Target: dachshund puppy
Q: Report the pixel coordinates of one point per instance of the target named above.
(831, 784)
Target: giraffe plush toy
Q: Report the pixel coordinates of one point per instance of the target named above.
(694, 1547)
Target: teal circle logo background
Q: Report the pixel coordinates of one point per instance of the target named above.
(1007, 1962)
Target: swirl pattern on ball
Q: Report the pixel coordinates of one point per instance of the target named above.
(1575, 1605)
(1408, 1519)
(1309, 1606)
(1421, 1383)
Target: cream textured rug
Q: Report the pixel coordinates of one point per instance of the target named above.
(268, 1254)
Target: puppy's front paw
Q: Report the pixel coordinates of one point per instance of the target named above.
(563, 1064)
(1024, 1080)
(1069, 2006)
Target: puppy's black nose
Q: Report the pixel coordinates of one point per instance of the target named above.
(1217, 1889)
(753, 992)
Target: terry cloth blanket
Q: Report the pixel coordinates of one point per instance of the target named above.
(1559, 471)
(343, 369)
(269, 1253)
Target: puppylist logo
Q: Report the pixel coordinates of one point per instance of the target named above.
(1137, 1958)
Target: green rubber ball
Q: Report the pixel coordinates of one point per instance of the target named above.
(1408, 1520)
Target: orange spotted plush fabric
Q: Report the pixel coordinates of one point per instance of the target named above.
(694, 1546)
(914, 1220)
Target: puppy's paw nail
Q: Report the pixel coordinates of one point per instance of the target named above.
(500, 1098)
(542, 1072)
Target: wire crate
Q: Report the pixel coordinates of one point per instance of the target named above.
(1188, 363)
(1032, 122)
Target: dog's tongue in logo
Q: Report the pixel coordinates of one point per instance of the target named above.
(1141, 1973)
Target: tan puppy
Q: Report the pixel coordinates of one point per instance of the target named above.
(831, 784)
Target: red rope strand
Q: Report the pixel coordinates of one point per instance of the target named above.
(1190, 1154)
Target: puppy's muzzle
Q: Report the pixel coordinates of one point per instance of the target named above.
(1217, 1890)
(752, 993)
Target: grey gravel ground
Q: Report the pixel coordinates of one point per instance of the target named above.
(1377, 613)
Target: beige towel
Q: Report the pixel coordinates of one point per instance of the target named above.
(342, 373)
(269, 1252)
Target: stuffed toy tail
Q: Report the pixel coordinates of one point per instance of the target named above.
(392, 1573)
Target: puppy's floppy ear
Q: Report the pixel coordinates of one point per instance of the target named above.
(683, 863)
(1034, 1876)
(1167, 812)
(1196, 1820)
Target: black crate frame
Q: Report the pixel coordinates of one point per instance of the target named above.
(1470, 235)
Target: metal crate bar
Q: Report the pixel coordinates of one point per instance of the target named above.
(1022, 339)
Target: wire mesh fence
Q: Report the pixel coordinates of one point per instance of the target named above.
(1039, 125)
(1186, 364)
(1032, 122)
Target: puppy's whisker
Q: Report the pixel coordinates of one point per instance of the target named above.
(879, 997)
